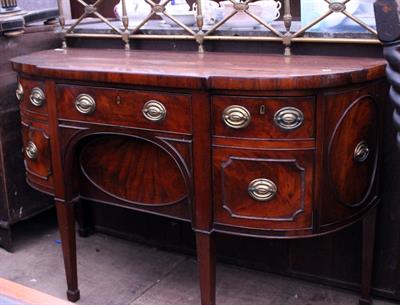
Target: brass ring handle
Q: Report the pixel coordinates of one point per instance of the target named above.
(85, 104)
(37, 97)
(154, 111)
(289, 118)
(262, 189)
(31, 150)
(361, 152)
(19, 92)
(236, 117)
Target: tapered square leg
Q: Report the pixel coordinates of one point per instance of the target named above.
(368, 243)
(66, 226)
(206, 261)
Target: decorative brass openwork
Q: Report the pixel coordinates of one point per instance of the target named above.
(199, 33)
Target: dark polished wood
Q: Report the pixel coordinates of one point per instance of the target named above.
(298, 155)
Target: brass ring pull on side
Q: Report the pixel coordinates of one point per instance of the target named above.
(262, 189)
(85, 104)
(154, 111)
(19, 92)
(361, 152)
(31, 150)
(37, 97)
(236, 117)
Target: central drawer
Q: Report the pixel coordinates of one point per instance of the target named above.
(132, 108)
(264, 117)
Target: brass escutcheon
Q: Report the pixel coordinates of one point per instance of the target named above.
(37, 97)
(236, 117)
(262, 189)
(154, 111)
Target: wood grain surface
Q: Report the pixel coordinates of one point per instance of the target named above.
(201, 71)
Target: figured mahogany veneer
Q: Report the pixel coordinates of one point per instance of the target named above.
(257, 145)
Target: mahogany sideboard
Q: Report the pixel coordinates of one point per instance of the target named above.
(253, 145)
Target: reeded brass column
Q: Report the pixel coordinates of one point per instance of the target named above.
(62, 23)
(125, 23)
(200, 23)
(287, 20)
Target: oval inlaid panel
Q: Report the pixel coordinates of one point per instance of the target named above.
(351, 179)
(134, 170)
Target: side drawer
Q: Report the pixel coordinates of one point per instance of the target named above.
(37, 155)
(264, 117)
(142, 109)
(263, 189)
(32, 96)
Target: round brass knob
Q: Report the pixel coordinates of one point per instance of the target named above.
(236, 117)
(154, 111)
(361, 152)
(262, 189)
(31, 150)
(85, 104)
(37, 97)
(19, 92)
(289, 118)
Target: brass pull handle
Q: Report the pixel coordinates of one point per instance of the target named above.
(361, 152)
(154, 111)
(37, 97)
(31, 150)
(289, 118)
(85, 104)
(19, 92)
(236, 117)
(262, 189)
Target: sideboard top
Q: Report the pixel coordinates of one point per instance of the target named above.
(193, 70)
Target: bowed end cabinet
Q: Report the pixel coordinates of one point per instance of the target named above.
(256, 145)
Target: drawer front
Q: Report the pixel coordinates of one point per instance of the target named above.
(264, 117)
(37, 155)
(32, 96)
(142, 109)
(263, 189)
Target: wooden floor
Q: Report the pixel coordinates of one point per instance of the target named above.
(117, 272)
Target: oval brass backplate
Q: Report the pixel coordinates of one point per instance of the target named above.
(85, 104)
(289, 118)
(361, 152)
(37, 97)
(154, 111)
(19, 92)
(31, 150)
(262, 189)
(236, 117)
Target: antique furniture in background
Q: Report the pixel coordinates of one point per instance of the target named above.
(17, 200)
(255, 145)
